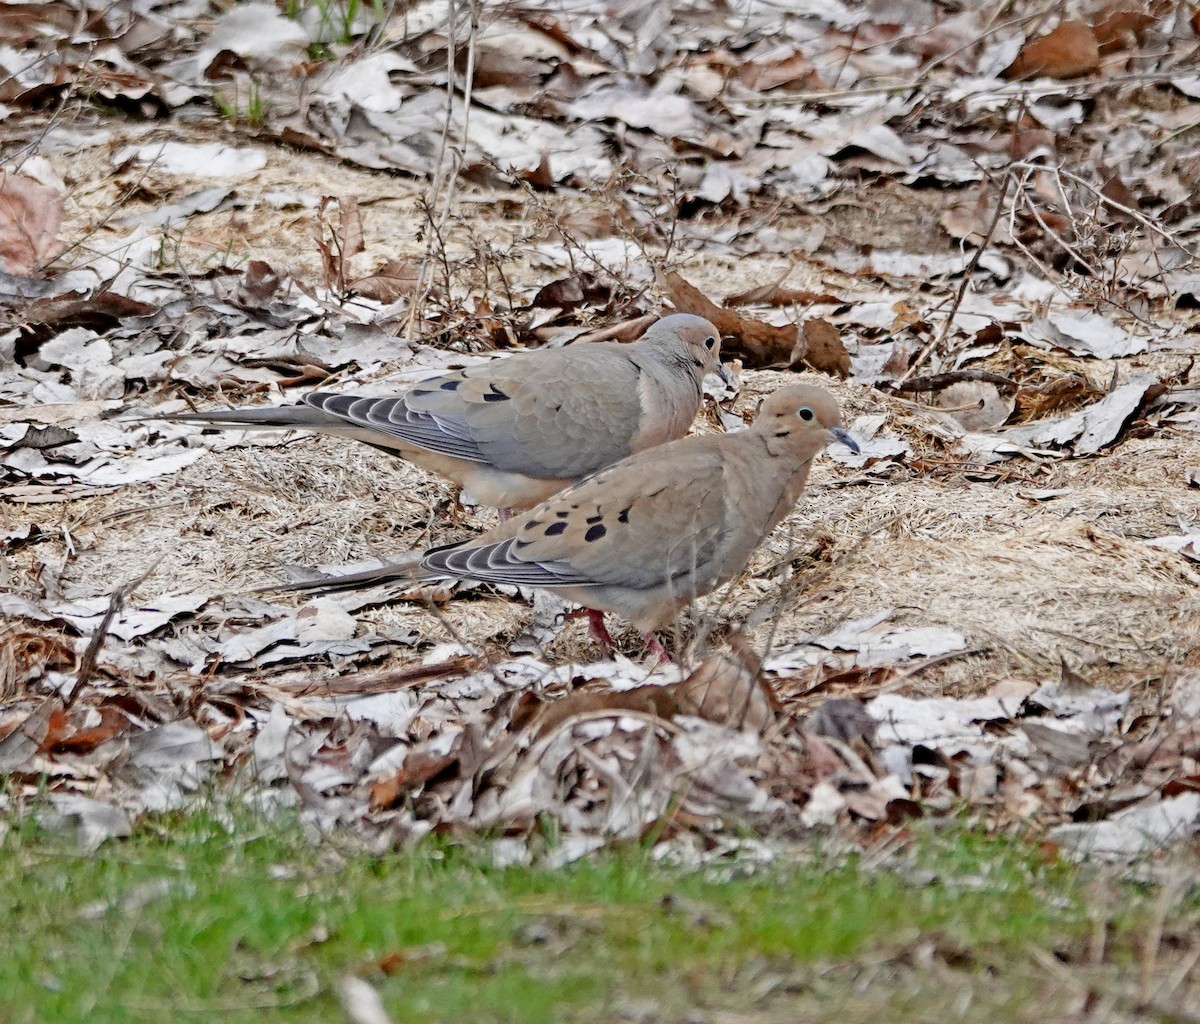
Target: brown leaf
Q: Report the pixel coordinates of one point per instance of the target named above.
(1066, 52)
(100, 312)
(659, 701)
(540, 178)
(30, 217)
(758, 343)
(344, 240)
(65, 738)
(795, 71)
(1120, 27)
(728, 689)
(1036, 401)
(572, 292)
(969, 218)
(587, 224)
(419, 768)
(259, 284)
(21, 24)
(1170, 749)
(774, 295)
(391, 281)
(820, 346)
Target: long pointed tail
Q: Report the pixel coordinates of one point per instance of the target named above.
(283, 417)
(406, 569)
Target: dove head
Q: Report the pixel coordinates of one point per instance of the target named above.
(800, 420)
(688, 341)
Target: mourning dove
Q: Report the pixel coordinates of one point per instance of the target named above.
(513, 431)
(644, 537)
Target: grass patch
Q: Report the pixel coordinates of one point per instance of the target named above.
(191, 920)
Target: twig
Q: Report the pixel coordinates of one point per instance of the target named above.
(1129, 211)
(87, 664)
(938, 381)
(968, 270)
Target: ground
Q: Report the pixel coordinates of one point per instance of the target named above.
(967, 661)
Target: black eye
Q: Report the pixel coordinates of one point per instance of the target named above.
(805, 413)
(709, 342)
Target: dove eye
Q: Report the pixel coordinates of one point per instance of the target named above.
(805, 413)
(709, 342)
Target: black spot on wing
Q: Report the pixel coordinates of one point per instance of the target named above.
(554, 529)
(596, 518)
(494, 394)
(533, 524)
(623, 515)
(595, 533)
(562, 513)
(450, 385)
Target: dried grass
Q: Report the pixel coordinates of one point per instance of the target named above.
(1028, 582)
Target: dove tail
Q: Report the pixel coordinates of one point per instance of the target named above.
(284, 417)
(407, 569)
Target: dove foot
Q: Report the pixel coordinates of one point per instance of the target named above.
(596, 627)
(655, 646)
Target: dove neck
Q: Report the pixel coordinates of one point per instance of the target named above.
(669, 384)
(753, 466)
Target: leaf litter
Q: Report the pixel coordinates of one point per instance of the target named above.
(994, 271)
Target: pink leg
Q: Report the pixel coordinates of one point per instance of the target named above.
(654, 646)
(596, 628)
(505, 514)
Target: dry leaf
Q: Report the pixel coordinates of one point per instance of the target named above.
(30, 218)
(1067, 51)
(569, 293)
(728, 689)
(820, 346)
(795, 71)
(975, 405)
(1120, 27)
(390, 282)
(658, 701)
(758, 343)
(776, 295)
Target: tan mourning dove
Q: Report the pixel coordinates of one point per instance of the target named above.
(513, 431)
(644, 537)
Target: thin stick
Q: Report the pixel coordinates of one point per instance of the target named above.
(968, 270)
(87, 664)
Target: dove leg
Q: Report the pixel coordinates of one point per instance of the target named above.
(596, 627)
(655, 646)
(505, 514)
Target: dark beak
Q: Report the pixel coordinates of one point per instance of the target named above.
(724, 374)
(846, 438)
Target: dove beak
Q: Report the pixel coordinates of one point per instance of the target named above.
(724, 374)
(846, 438)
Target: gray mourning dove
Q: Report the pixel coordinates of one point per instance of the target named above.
(647, 535)
(513, 431)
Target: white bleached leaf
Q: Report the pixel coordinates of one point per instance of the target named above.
(872, 641)
(1132, 832)
(107, 471)
(87, 822)
(1098, 425)
(198, 160)
(1085, 334)
(258, 33)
